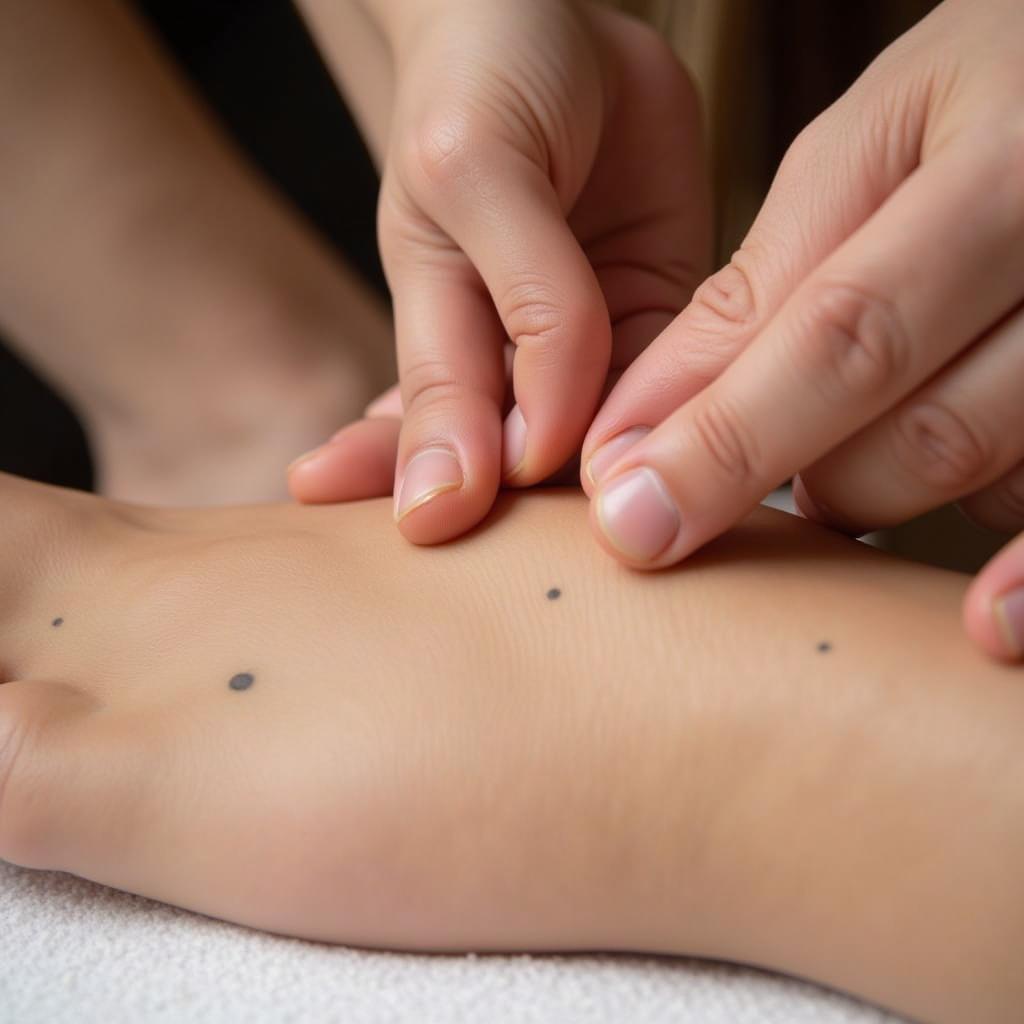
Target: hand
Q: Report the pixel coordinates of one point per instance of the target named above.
(544, 184)
(869, 334)
(994, 605)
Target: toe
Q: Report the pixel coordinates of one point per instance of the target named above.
(64, 787)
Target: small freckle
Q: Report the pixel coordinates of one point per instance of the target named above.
(242, 681)
(824, 647)
(57, 622)
(554, 594)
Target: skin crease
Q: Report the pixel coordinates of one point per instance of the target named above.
(884, 360)
(872, 317)
(662, 763)
(543, 182)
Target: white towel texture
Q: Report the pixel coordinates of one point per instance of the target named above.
(71, 951)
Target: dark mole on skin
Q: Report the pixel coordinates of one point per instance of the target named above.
(57, 622)
(242, 681)
(554, 594)
(824, 647)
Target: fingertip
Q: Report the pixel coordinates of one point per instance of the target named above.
(994, 604)
(357, 463)
(387, 404)
(636, 520)
(982, 625)
(816, 511)
(602, 458)
(995, 621)
(803, 504)
(448, 483)
(435, 502)
(513, 445)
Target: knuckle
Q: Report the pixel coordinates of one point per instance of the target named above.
(728, 295)
(440, 152)
(730, 444)
(532, 311)
(852, 341)
(429, 382)
(807, 152)
(938, 446)
(435, 393)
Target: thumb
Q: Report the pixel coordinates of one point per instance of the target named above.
(994, 605)
(832, 179)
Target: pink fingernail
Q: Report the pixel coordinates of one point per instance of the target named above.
(428, 473)
(638, 515)
(308, 458)
(513, 442)
(599, 462)
(803, 504)
(1009, 615)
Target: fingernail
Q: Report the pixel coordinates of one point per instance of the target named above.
(638, 515)
(1009, 615)
(803, 504)
(308, 457)
(428, 473)
(513, 442)
(599, 462)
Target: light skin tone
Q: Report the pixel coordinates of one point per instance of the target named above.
(867, 336)
(203, 332)
(669, 763)
(543, 187)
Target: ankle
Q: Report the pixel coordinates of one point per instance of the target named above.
(261, 378)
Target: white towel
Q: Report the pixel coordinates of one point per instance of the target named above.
(75, 953)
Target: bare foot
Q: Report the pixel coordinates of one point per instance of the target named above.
(784, 753)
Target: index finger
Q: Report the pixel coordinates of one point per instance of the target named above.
(880, 315)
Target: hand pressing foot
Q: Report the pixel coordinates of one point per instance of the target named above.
(783, 754)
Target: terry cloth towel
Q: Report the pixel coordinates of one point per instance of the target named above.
(72, 952)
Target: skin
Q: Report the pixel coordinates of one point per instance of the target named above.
(543, 188)
(149, 263)
(666, 763)
(885, 356)
(867, 336)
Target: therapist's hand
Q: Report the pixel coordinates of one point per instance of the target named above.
(869, 334)
(543, 185)
(994, 606)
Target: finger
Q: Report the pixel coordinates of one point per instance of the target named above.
(452, 383)
(883, 313)
(1000, 506)
(387, 404)
(960, 432)
(357, 462)
(502, 211)
(67, 783)
(829, 183)
(994, 604)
